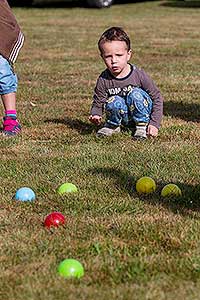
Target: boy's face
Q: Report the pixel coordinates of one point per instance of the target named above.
(116, 57)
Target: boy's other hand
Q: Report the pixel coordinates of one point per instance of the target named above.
(152, 131)
(95, 119)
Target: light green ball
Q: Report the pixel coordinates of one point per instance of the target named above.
(67, 188)
(171, 190)
(71, 268)
(145, 185)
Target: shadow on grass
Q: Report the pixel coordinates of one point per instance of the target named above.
(60, 4)
(46, 4)
(189, 201)
(185, 111)
(82, 127)
(182, 4)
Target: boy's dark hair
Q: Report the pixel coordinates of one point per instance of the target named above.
(114, 34)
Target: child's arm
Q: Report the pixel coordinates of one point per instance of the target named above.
(99, 100)
(157, 111)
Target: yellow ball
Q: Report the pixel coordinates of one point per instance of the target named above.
(145, 185)
(171, 190)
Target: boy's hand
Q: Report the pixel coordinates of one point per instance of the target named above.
(152, 131)
(95, 119)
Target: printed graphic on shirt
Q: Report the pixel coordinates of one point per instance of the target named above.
(119, 91)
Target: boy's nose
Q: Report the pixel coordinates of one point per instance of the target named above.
(114, 59)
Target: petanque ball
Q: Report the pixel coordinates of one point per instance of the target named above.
(70, 268)
(25, 194)
(145, 185)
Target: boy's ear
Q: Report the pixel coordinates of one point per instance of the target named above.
(130, 53)
(101, 55)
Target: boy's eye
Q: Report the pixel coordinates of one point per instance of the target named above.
(110, 56)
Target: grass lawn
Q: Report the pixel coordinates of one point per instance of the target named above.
(131, 246)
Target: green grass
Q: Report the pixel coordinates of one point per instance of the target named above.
(131, 246)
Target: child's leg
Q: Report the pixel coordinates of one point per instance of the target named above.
(116, 111)
(9, 101)
(140, 106)
(116, 114)
(8, 87)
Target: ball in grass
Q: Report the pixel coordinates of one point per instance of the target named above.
(25, 194)
(54, 219)
(67, 187)
(71, 268)
(145, 185)
(171, 190)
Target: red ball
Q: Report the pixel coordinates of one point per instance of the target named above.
(54, 219)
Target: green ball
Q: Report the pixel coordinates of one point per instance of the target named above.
(71, 268)
(145, 185)
(171, 190)
(67, 188)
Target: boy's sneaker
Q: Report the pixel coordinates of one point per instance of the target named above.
(108, 130)
(11, 126)
(140, 132)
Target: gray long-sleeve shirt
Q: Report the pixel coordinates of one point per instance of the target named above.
(107, 85)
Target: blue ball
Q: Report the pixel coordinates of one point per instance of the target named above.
(25, 194)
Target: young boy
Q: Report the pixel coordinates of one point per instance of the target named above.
(11, 41)
(128, 95)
